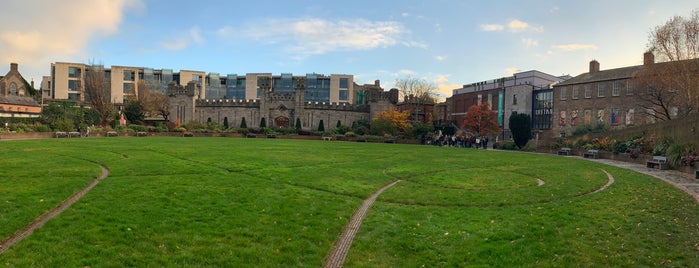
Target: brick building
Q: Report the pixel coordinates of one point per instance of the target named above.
(15, 100)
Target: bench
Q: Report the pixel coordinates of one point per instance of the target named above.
(250, 135)
(564, 151)
(591, 154)
(141, 134)
(60, 134)
(187, 134)
(271, 136)
(329, 138)
(659, 162)
(73, 134)
(112, 134)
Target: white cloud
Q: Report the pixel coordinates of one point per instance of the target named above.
(520, 26)
(36, 34)
(193, 36)
(319, 36)
(514, 26)
(444, 88)
(528, 42)
(226, 32)
(440, 58)
(492, 27)
(575, 47)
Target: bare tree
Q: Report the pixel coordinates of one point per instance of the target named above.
(97, 93)
(416, 92)
(670, 89)
(153, 101)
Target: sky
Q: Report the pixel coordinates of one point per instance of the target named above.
(448, 43)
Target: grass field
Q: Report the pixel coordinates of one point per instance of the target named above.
(216, 202)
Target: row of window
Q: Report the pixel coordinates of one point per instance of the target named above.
(587, 90)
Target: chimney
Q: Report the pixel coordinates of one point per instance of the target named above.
(13, 66)
(377, 83)
(594, 66)
(648, 58)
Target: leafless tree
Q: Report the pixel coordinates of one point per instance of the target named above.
(670, 88)
(97, 93)
(416, 92)
(154, 102)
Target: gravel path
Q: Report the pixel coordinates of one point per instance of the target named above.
(37, 223)
(338, 253)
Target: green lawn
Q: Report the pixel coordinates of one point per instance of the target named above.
(216, 202)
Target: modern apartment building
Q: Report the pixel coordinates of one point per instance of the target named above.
(67, 81)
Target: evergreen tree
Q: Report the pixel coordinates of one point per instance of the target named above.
(225, 122)
(242, 124)
(298, 124)
(321, 127)
(520, 125)
(263, 123)
(338, 124)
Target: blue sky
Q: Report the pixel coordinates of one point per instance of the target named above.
(448, 43)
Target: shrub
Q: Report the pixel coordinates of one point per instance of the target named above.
(507, 145)
(137, 128)
(350, 134)
(42, 128)
(677, 152)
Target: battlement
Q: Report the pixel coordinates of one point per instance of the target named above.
(227, 103)
(343, 106)
(285, 96)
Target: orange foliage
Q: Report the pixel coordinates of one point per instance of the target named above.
(481, 120)
(399, 119)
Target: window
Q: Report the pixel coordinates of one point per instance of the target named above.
(617, 88)
(74, 72)
(129, 75)
(127, 88)
(588, 92)
(73, 85)
(576, 92)
(601, 88)
(564, 93)
(344, 83)
(13, 89)
(629, 89)
(344, 94)
(514, 99)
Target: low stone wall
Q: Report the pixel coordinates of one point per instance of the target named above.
(24, 136)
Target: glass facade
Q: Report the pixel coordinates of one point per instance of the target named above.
(214, 88)
(235, 87)
(542, 109)
(317, 88)
(284, 83)
(344, 83)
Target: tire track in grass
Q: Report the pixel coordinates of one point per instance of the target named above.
(41, 220)
(338, 253)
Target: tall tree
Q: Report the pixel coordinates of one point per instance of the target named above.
(521, 127)
(481, 120)
(97, 93)
(671, 88)
(416, 93)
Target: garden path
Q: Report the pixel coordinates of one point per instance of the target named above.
(338, 253)
(680, 180)
(41, 220)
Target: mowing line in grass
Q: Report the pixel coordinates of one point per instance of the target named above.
(51, 213)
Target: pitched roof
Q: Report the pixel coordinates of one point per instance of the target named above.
(615, 74)
(17, 100)
(604, 75)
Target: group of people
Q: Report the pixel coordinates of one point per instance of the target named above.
(439, 139)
